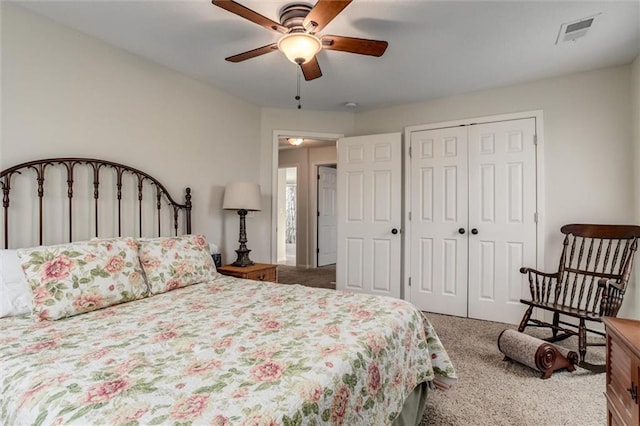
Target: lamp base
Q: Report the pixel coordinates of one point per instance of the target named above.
(243, 258)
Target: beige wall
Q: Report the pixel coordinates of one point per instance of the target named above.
(588, 153)
(306, 160)
(67, 94)
(635, 96)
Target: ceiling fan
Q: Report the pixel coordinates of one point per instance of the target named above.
(300, 22)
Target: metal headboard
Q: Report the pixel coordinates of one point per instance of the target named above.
(94, 168)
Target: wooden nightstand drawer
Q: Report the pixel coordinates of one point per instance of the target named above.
(257, 271)
(263, 275)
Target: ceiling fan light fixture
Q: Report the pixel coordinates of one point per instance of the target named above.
(299, 48)
(295, 141)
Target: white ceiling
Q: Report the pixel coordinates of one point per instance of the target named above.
(436, 48)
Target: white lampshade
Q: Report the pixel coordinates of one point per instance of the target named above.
(242, 196)
(299, 48)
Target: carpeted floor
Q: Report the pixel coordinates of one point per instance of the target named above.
(323, 277)
(495, 392)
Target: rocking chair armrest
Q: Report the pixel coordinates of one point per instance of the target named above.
(612, 295)
(607, 284)
(540, 273)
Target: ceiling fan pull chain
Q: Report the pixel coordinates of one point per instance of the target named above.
(298, 90)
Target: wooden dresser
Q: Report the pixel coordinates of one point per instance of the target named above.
(623, 371)
(257, 271)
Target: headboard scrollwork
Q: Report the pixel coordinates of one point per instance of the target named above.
(121, 175)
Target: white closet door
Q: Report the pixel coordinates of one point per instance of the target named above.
(438, 211)
(327, 215)
(502, 205)
(369, 210)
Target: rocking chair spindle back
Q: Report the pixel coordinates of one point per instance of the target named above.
(592, 277)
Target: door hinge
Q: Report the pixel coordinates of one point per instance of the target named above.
(318, 213)
(409, 281)
(317, 251)
(409, 152)
(535, 139)
(535, 217)
(409, 215)
(318, 176)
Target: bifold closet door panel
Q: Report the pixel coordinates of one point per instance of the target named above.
(502, 207)
(439, 220)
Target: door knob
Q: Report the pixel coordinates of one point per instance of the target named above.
(474, 231)
(461, 231)
(394, 231)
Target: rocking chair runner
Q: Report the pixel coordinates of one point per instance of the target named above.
(594, 270)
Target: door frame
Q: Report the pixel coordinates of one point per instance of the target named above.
(277, 134)
(540, 193)
(314, 207)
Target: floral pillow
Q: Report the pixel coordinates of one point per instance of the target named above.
(174, 262)
(70, 279)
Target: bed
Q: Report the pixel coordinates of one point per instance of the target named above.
(180, 344)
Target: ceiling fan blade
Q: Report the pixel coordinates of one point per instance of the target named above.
(253, 53)
(311, 69)
(361, 46)
(322, 13)
(250, 15)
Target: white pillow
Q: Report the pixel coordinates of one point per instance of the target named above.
(15, 296)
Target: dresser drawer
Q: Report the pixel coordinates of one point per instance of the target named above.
(620, 365)
(623, 371)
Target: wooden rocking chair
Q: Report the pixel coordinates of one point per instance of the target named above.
(594, 270)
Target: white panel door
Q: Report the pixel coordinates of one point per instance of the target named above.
(369, 214)
(439, 220)
(502, 207)
(327, 246)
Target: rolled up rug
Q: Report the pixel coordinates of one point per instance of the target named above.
(535, 353)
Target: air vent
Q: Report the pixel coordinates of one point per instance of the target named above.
(571, 31)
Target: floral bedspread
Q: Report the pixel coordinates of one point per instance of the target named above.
(226, 352)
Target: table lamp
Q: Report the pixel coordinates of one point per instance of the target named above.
(243, 197)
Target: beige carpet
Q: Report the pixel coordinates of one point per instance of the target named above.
(323, 277)
(495, 392)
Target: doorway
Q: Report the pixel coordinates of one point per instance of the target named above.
(306, 151)
(287, 215)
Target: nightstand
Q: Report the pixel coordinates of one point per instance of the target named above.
(257, 271)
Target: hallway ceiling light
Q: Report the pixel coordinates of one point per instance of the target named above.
(295, 141)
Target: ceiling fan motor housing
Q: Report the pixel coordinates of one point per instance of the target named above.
(292, 16)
